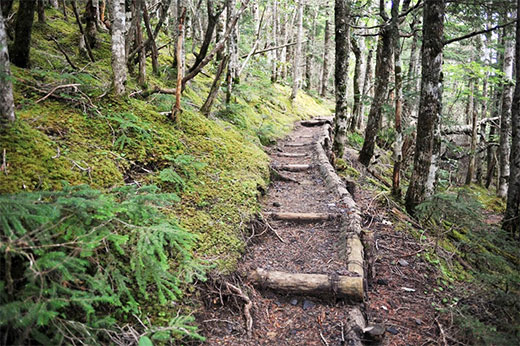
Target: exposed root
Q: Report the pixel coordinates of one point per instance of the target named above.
(247, 307)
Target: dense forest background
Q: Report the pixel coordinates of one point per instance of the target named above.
(133, 136)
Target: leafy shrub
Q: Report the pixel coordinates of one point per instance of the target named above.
(77, 262)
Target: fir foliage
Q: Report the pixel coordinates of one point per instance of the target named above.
(78, 262)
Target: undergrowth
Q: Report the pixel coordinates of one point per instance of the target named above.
(89, 260)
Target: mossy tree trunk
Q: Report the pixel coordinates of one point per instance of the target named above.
(356, 108)
(505, 119)
(41, 11)
(512, 214)
(366, 88)
(6, 6)
(22, 33)
(383, 69)
(342, 31)
(6, 86)
(119, 71)
(430, 106)
(91, 21)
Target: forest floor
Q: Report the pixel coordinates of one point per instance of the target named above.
(400, 293)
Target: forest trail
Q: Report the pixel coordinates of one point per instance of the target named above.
(316, 247)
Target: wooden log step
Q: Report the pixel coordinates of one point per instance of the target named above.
(303, 217)
(295, 145)
(283, 154)
(316, 122)
(309, 284)
(294, 168)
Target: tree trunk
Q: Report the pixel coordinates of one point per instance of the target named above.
(512, 214)
(430, 105)
(6, 86)
(41, 11)
(22, 33)
(298, 52)
(91, 22)
(54, 4)
(409, 104)
(483, 115)
(180, 66)
(398, 76)
(139, 42)
(276, 59)
(118, 17)
(325, 68)
(474, 138)
(149, 32)
(6, 6)
(64, 9)
(206, 107)
(505, 119)
(356, 108)
(342, 31)
(366, 87)
(232, 73)
(383, 68)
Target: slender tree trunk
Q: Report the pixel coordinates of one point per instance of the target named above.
(180, 66)
(366, 88)
(483, 114)
(474, 139)
(383, 68)
(153, 44)
(91, 23)
(512, 214)
(409, 104)
(325, 68)
(22, 33)
(41, 11)
(64, 9)
(398, 76)
(83, 35)
(139, 42)
(298, 52)
(430, 105)
(505, 119)
(356, 108)
(54, 4)
(276, 59)
(118, 17)
(232, 73)
(6, 86)
(342, 31)
(208, 104)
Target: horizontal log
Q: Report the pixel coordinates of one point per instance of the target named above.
(295, 145)
(315, 122)
(309, 284)
(302, 217)
(292, 154)
(294, 168)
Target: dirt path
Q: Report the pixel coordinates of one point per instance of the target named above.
(281, 318)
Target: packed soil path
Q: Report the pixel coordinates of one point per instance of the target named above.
(315, 247)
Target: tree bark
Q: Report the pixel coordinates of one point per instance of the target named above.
(41, 11)
(206, 107)
(153, 44)
(83, 34)
(232, 72)
(22, 33)
(383, 68)
(139, 40)
(479, 175)
(474, 139)
(91, 22)
(298, 52)
(505, 120)
(366, 88)
(118, 17)
(512, 214)
(325, 68)
(356, 108)
(180, 66)
(6, 6)
(398, 76)
(276, 59)
(7, 114)
(430, 106)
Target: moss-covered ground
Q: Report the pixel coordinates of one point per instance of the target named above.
(81, 134)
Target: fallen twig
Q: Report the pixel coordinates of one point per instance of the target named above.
(271, 228)
(323, 339)
(75, 85)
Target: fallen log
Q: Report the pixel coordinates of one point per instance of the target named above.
(294, 168)
(302, 217)
(315, 122)
(283, 154)
(294, 145)
(310, 284)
